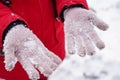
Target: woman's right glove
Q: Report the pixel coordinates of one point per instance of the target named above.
(22, 45)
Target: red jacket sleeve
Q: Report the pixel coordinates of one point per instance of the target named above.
(6, 17)
(60, 4)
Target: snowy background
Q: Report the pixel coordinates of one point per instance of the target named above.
(105, 65)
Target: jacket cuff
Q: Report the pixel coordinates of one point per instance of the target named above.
(69, 4)
(68, 7)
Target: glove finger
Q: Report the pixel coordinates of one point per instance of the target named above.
(88, 44)
(70, 44)
(95, 38)
(99, 23)
(42, 65)
(50, 63)
(44, 69)
(43, 49)
(48, 57)
(53, 57)
(28, 67)
(80, 46)
(46, 64)
(10, 59)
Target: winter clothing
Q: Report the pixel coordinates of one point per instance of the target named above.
(40, 17)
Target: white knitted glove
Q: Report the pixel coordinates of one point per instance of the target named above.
(23, 46)
(80, 33)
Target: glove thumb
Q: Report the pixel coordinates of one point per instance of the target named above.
(10, 59)
(9, 53)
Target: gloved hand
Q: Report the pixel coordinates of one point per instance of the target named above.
(79, 31)
(23, 46)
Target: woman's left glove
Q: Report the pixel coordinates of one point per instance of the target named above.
(21, 45)
(80, 33)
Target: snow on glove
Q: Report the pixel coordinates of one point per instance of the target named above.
(80, 33)
(23, 46)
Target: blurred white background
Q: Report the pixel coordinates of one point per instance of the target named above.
(104, 65)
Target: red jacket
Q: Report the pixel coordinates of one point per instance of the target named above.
(39, 16)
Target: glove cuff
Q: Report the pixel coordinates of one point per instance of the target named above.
(10, 26)
(69, 7)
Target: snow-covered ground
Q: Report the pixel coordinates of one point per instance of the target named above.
(105, 64)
